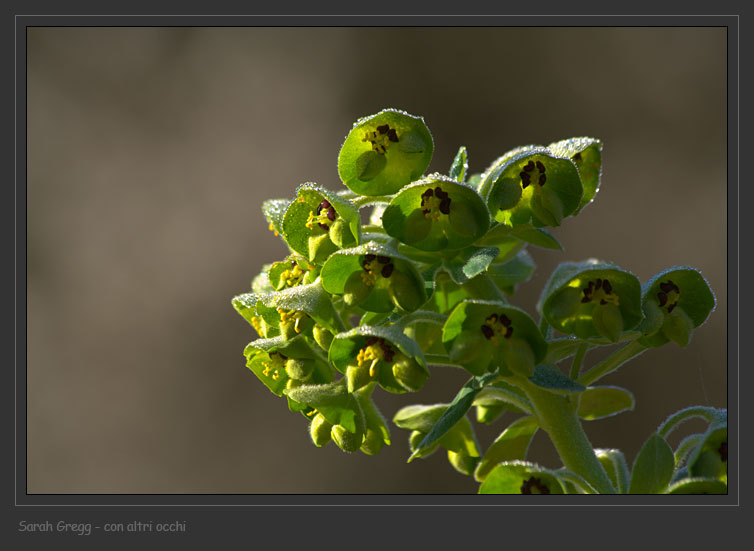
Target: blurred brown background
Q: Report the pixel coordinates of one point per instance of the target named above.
(151, 149)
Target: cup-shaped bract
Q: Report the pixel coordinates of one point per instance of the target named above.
(532, 186)
(436, 213)
(381, 354)
(483, 335)
(319, 222)
(586, 154)
(591, 299)
(521, 477)
(384, 152)
(675, 302)
(375, 277)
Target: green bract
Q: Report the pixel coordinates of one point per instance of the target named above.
(319, 222)
(384, 152)
(426, 282)
(374, 277)
(586, 153)
(675, 302)
(533, 186)
(482, 335)
(436, 213)
(591, 299)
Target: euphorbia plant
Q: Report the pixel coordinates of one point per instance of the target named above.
(426, 281)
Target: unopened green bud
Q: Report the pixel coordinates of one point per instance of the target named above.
(299, 368)
(466, 347)
(346, 440)
(373, 442)
(417, 226)
(462, 219)
(358, 376)
(463, 462)
(506, 193)
(355, 291)
(322, 336)
(548, 207)
(415, 439)
(411, 142)
(340, 233)
(409, 374)
(404, 292)
(518, 356)
(369, 164)
(319, 429)
(320, 247)
(487, 413)
(653, 318)
(678, 327)
(608, 321)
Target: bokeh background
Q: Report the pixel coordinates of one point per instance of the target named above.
(150, 151)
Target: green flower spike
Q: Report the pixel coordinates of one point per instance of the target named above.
(591, 299)
(436, 213)
(319, 222)
(375, 277)
(381, 354)
(483, 335)
(532, 186)
(384, 152)
(675, 302)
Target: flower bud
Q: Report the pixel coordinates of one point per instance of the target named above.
(357, 376)
(463, 219)
(404, 292)
(506, 193)
(417, 227)
(355, 291)
(518, 356)
(466, 347)
(322, 336)
(547, 207)
(346, 440)
(653, 318)
(320, 247)
(608, 321)
(340, 233)
(487, 413)
(319, 429)
(463, 462)
(415, 439)
(409, 374)
(373, 442)
(678, 327)
(369, 164)
(299, 368)
(293, 383)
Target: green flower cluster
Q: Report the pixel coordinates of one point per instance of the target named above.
(367, 300)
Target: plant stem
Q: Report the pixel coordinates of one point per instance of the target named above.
(578, 359)
(612, 362)
(557, 417)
